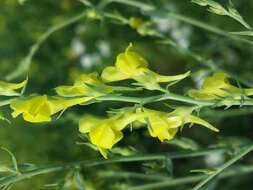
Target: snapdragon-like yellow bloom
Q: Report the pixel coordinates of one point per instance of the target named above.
(104, 133)
(85, 85)
(37, 109)
(217, 86)
(9, 89)
(164, 125)
(131, 65)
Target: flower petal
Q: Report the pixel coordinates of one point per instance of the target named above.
(87, 123)
(104, 136)
(34, 109)
(72, 91)
(12, 86)
(58, 103)
(111, 74)
(197, 120)
(161, 78)
(8, 89)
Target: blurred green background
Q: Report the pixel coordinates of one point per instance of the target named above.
(90, 45)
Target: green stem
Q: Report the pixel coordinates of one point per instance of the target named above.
(25, 64)
(135, 175)
(205, 26)
(91, 163)
(176, 97)
(228, 113)
(208, 62)
(171, 182)
(151, 10)
(242, 153)
(137, 4)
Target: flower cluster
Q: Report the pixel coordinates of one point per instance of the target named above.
(104, 133)
(40, 108)
(218, 86)
(87, 85)
(37, 109)
(131, 65)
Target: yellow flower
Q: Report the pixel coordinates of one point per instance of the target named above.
(164, 125)
(85, 85)
(8, 89)
(40, 108)
(93, 14)
(131, 65)
(104, 133)
(142, 27)
(217, 86)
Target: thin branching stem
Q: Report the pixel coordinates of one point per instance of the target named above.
(92, 163)
(166, 40)
(172, 182)
(25, 64)
(179, 98)
(242, 153)
(151, 10)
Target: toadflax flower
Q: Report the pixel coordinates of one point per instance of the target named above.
(104, 133)
(9, 89)
(217, 86)
(131, 65)
(85, 85)
(164, 125)
(37, 109)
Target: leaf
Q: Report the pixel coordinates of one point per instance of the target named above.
(218, 9)
(26, 167)
(5, 169)
(242, 33)
(204, 171)
(236, 15)
(10, 89)
(91, 146)
(184, 143)
(14, 160)
(124, 151)
(213, 6)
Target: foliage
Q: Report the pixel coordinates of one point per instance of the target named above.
(176, 66)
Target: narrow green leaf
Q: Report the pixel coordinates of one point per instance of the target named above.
(243, 33)
(233, 13)
(14, 160)
(184, 143)
(204, 171)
